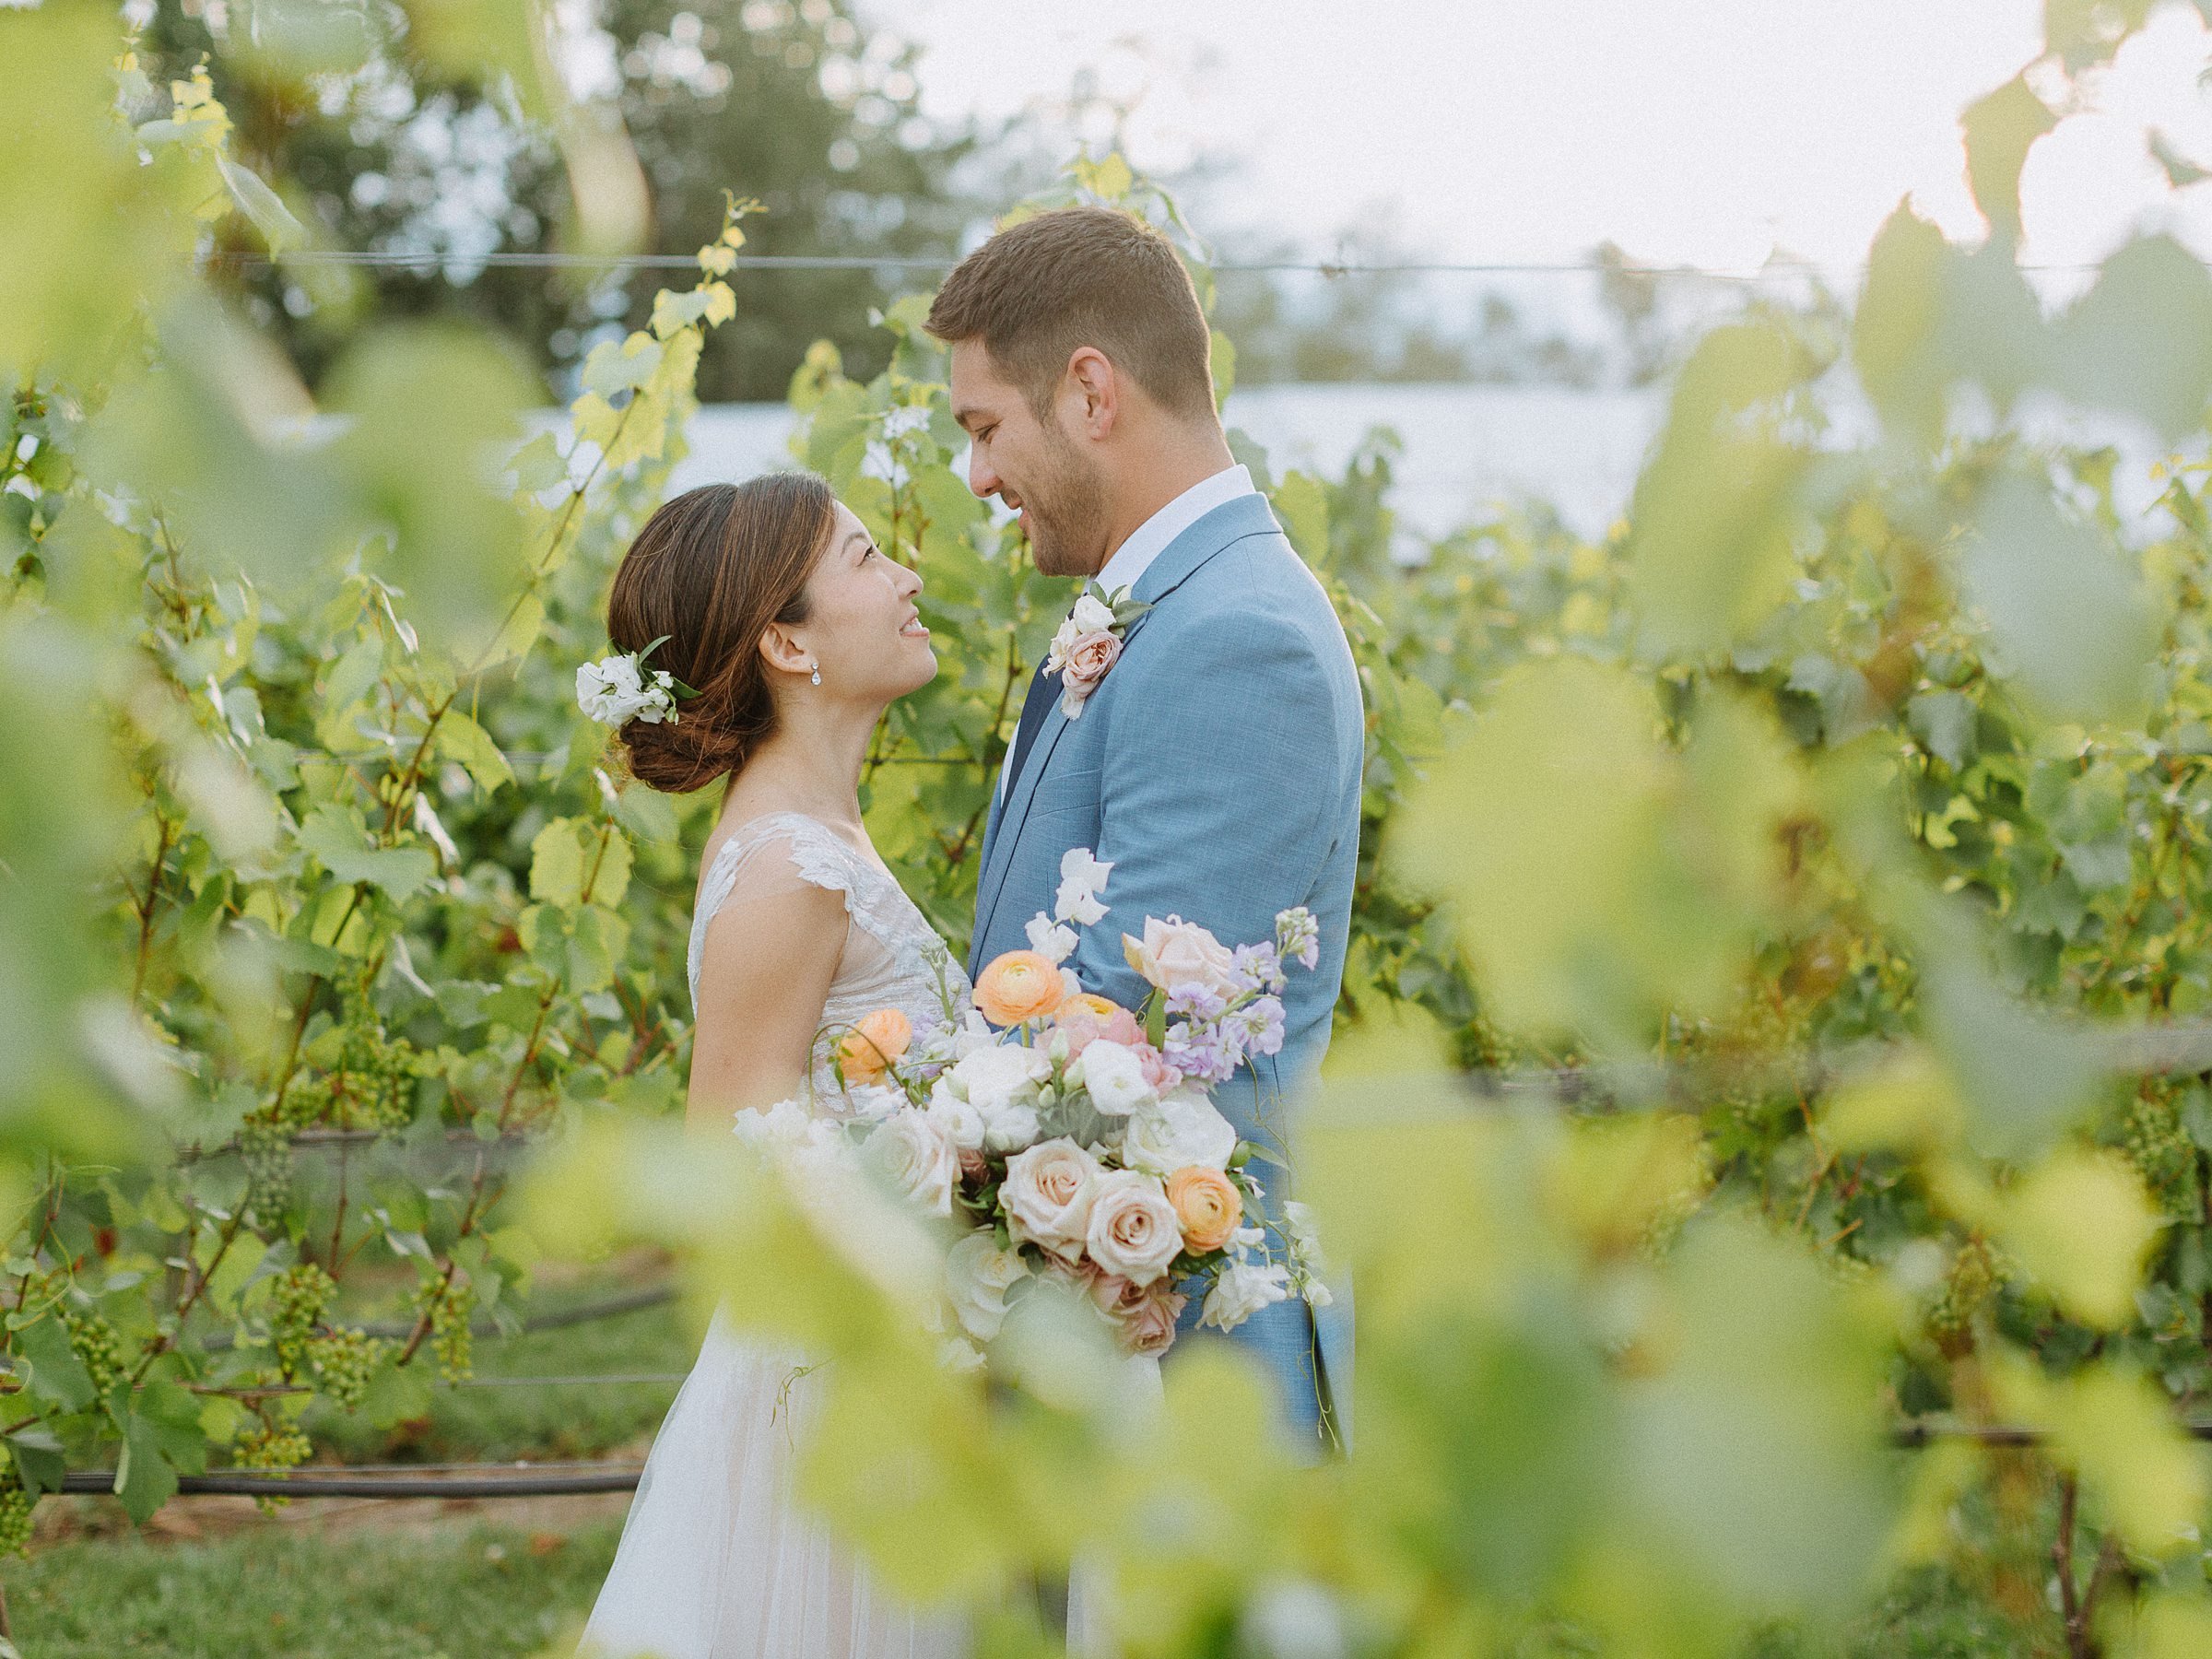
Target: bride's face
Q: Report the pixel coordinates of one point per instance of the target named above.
(862, 625)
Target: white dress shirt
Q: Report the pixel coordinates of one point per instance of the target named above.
(1150, 540)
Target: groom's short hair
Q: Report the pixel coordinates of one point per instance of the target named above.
(1075, 277)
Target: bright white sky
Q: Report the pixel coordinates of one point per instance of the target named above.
(1700, 132)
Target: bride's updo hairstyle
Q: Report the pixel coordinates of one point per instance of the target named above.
(711, 569)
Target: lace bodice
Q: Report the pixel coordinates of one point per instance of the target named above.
(892, 957)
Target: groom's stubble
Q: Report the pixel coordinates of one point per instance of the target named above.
(1065, 509)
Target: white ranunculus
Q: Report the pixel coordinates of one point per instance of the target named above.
(1116, 1078)
(1243, 1289)
(1092, 615)
(962, 1119)
(919, 1159)
(1010, 1127)
(999, 1076)
(1047, 1196)
(1133, 1229)
(978, 1275)
(1181, 1129)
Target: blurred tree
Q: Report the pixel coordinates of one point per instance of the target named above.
(797, 102)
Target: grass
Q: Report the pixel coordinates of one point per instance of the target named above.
(443, 1590)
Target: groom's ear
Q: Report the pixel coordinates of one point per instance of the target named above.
(1094, 390)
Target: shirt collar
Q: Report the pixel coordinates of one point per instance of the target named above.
(1152, 537)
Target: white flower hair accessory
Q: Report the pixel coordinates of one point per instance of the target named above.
(618, 688)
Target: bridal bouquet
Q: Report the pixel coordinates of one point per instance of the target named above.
(1078, 1138)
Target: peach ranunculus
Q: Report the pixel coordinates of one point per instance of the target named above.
(873, 1044)
(1208, 1206)
(1175, 953)
(1086, 1017)
(1019, 985)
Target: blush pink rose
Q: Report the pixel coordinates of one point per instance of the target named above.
(1085, 665)
(1144, 1316)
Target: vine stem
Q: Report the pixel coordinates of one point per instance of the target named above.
(147, 905)
(957, 853)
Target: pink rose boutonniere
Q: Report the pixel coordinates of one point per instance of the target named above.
(1090, 643)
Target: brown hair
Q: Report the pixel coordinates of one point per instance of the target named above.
(1080, 276)
(711, 569)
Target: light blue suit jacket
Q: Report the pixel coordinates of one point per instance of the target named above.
(1218, 768)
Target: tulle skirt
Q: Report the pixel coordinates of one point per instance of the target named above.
(718, 1562)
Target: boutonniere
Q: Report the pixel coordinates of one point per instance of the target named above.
(618, 688)
(1090, 643)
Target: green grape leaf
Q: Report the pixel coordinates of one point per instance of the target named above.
(2000, 130)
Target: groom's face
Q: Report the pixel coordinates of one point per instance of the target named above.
(1037, 467)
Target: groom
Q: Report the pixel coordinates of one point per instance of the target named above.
(1217, 766)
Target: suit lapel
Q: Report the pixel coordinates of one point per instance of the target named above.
(1230, 522)
(998, 852)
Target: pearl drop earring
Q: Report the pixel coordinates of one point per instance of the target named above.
(816, 676)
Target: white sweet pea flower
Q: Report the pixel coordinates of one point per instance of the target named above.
(1242, 1290)
(1082, 879)
(613, 690)
(1050, 940)
(1116, 1078)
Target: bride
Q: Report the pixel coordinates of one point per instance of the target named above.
(797, 631)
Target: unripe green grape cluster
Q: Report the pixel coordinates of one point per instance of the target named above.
(272, 1446)
(450, 1306)
(344, 1360)
(2159, 1148)
(99, 1350)
(378, 1076)
(1974, 1276)
(16, 1505)
(265, 1145)
(298, 1297)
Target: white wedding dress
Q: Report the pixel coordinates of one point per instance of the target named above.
(717, 1560)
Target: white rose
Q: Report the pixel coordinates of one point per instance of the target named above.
(1175, 953)
(999, 1076)
(962, 1120)
(1241, 1291)
(978, 1275)
(1133, 1229)
(1047, 1196)
(1184, 1128)
(1116, 1078)
(1091, 616)
(919, 1157)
